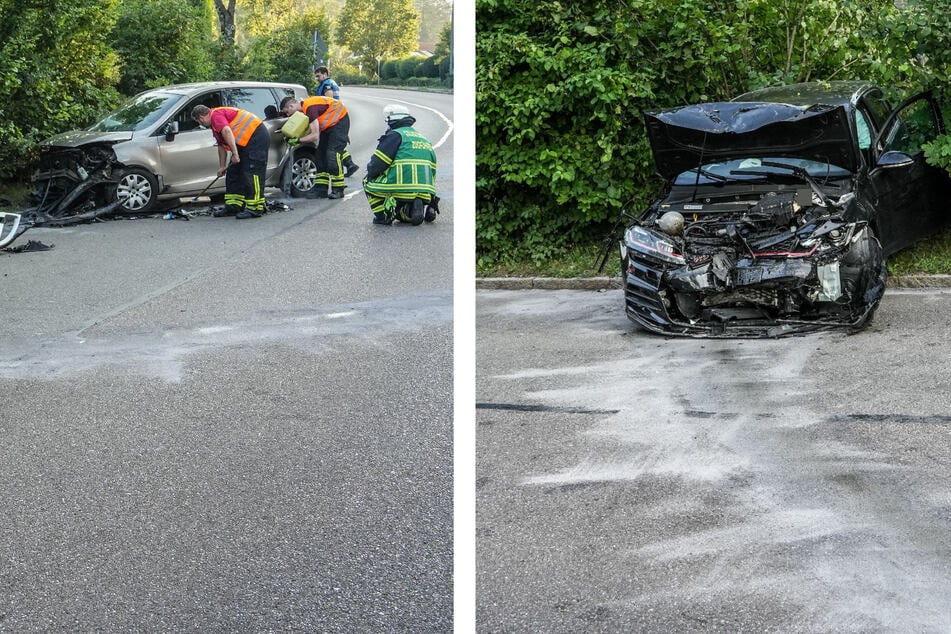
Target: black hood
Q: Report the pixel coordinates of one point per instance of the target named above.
(683, 138)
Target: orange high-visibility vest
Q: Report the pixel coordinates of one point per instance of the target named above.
(242, 125)
(333, 110)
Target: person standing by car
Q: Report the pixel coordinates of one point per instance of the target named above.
(327, 87)
(330, 127)
(401, 175)
(240, 134)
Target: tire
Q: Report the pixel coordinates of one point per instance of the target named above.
(136, 192)
(303, 174)
(867, 268)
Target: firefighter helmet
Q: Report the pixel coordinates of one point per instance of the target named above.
(395, 112)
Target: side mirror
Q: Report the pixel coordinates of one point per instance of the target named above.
(892, 159)
(170, 130)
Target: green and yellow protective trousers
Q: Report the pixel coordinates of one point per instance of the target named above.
(244, 180)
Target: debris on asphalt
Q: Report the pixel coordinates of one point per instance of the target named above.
(31, 245)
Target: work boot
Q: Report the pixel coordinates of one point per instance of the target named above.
(244, 214)
(227, 210)
(417, 214)
(320, 191)
(432, 209)
(381, 219)
(336, 192)
(352, 169)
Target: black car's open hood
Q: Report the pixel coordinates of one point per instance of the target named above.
(683, 138)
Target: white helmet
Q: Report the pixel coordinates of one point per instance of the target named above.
(394, 112)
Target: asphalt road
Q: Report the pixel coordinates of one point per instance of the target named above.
(233, 426)
(628, 482)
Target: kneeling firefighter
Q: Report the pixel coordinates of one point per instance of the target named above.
(401, 175)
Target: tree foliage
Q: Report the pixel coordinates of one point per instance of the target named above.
(161, 42)
(562, 88)
(378, 29)
(919, 42)
(56, 71)
(287, 52)
(443, 46)
(65, 63)
(434, 15)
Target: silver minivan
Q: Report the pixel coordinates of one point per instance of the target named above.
(149, 149)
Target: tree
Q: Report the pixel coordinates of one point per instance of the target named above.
(287, 52)
(226, 22)
(378, 29)
(444, 44)
(160, 42)
(433, 14)
(260, 17)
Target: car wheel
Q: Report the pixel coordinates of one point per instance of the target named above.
(303, 173)
(136, 191)
(865, 270)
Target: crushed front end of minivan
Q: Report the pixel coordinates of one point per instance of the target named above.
(73, 184)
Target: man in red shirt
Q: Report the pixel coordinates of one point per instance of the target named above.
(330, 127)
(240, 134)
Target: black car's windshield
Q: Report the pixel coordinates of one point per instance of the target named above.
(137, 113)
(733, 170)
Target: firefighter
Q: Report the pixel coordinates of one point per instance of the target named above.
(401, 175)
(240, 134)
(330, 127)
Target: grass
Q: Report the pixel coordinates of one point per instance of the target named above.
(16, 195)
(931, 256)
(582, 261)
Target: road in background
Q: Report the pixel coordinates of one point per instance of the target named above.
(631, 482)
(431, 110)
(224, 425)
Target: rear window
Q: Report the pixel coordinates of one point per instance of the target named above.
(254, 100)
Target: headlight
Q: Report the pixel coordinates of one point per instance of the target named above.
(830, 236)
(653, 244)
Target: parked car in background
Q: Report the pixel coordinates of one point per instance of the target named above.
(149, 149)
(780, 209)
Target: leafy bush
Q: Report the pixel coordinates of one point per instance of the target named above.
(389, 69)
(56, 73)
(407, 67)
(427, 68)
(917, 41)
(445, 69)
(424, 82)
(351, 79)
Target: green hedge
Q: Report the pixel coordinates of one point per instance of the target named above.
(561, 89)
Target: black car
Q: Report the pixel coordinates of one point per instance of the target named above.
(780, 209)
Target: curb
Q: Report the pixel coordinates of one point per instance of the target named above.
(602, 283)
(548, 283)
